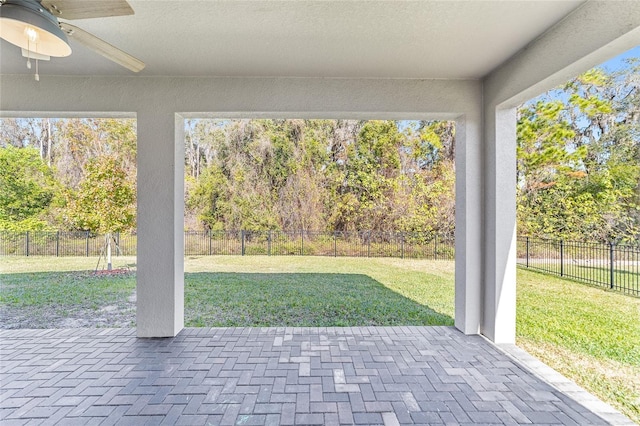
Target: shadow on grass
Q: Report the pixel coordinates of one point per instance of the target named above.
(299, 300)
(65, 299)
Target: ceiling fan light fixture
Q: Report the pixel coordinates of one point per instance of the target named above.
(33, 55)
(26, 24)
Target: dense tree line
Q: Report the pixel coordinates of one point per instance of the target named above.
(578, 170)
(579, 159)
(320, 175)
(240, 174)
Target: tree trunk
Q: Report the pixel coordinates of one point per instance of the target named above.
(48, 142)
(109, 238)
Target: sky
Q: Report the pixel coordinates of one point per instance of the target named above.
(618, 62)
(612, 65)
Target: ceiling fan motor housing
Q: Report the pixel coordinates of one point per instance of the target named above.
(16, 16)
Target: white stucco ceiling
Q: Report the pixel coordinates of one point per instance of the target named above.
(365, 39)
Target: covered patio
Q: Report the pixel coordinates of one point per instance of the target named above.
(469, 61)
(281, 376)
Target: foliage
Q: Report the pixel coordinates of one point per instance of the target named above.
(27, 188)
(430, 205)
(578, 169)
(105, 201)
(47, 159)
(80, 140)
(579, 159)
(319, 175)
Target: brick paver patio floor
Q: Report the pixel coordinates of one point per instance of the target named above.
(286, 376)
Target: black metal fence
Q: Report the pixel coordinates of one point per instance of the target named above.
(270, 243)
(609, 265)
(46, 243)
(613, 266)
(308, 243)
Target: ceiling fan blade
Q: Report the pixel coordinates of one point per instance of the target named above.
(102, 47)
(83, 9)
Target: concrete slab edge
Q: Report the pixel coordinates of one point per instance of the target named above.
(541, 370)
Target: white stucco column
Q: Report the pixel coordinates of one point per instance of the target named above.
(594, 32)
(499, 311)
(160, 274)
(469, 213)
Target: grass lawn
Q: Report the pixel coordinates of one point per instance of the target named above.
(231, 291)
(626, 277)
(41, 292)
(588, 334)
(317, 292)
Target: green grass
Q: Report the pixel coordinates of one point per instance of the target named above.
(293, 299)
(580, 318)
(589, 334)
(41, 292)
(624, 276)
(63, 289)
(295, 291)
(230, 291)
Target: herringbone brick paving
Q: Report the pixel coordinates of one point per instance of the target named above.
(271, 376)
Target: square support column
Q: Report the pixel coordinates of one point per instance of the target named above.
(499, 310)
(160, 264)
(469, 213)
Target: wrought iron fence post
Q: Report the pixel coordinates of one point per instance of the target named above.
(369, 245)
(527, 252)
(87, 244)
(335, 244)
(561, 258)
(210, 238)
(269, 243)
(27, 244)
(402, 246)
(302, 243)
(58, 244)
(611, 265)
(242, 241)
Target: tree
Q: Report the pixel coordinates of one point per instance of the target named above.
(77, 141)
(208, 199)
(27, 189)
(365, 198)
(321, 175)
(579, 159)
(28, 132)
(435, 143)
(105, 201)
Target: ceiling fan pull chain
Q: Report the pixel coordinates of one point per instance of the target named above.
(28, 54)
(37, 76)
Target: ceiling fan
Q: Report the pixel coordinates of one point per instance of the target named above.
(33, 25)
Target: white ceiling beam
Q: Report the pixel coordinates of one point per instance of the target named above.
(592, 34)
(242, 97)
